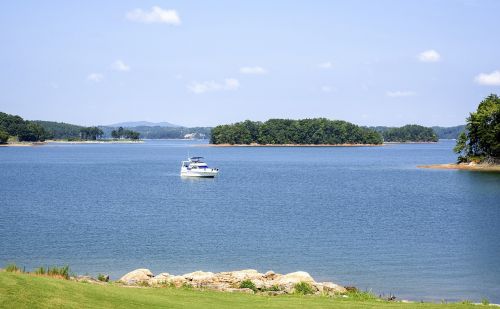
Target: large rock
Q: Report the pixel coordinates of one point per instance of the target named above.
(178, 281)
(137, 276)
(330, 288)
(163, 278)
(199, 276)
(293, 278)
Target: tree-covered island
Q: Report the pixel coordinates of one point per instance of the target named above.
(410, 133)
(317, 131)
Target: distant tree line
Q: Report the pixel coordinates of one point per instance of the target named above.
(123, 133)
(481, 140)
(60, 130)
(286, 131)
(157, 132)
(410, 133)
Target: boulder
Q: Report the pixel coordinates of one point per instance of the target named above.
(235, 290)
(178, 281)
(162, 278)
(199, 278)
(331, 288)
(137, 276)
(293, 278)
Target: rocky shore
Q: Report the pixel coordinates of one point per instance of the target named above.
(244, 281)
(465, 166)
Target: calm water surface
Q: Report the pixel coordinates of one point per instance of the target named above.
(358, 216)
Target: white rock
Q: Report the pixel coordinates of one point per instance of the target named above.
(136, 276)
(199, 276)
(296, 277)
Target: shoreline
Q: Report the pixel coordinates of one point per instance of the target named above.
(464, 166)
(47, 142)
(291, 145)
(95, 142)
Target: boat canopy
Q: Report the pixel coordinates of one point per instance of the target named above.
(196, 159)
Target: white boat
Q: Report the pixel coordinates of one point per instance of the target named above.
(195, 167)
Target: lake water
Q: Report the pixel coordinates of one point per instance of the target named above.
(357, 216)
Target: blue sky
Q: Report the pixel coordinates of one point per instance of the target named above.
(203, 63)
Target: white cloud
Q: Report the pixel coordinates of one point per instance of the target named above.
(491, 79)
(398, 93)
(95, 77)
(325, 65)
(119, 65)
(210, 86)
(155, 15)
(326, 89)
(253, 70)
(429, 56)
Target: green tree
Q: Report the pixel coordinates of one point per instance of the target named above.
(4, 137)
(481, 141)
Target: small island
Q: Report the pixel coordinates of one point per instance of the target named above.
(410, 133)
(478, 147)
(288, 132)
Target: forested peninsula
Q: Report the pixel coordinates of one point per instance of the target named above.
(318, 131)
(15, 130)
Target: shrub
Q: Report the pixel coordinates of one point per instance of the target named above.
(40, 271)
(58, 271)
(4, 137)
(248, 284)
(103, 278)
(485, 302)
(360, 295)
(12, 268)
(303, 288)
(274, 288)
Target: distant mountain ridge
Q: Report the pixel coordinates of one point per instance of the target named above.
(131, 124)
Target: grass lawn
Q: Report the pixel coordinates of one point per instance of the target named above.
(29, 291)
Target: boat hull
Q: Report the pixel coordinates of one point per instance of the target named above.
(207, 174)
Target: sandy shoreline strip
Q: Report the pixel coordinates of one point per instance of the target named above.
(291, 145)
(464, 166)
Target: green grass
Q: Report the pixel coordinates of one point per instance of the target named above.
(19, 290)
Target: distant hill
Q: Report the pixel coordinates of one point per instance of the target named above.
(131, 124)
(449, 132)
(157, 132)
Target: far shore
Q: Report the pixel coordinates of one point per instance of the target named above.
(125, 141)
(464, 166)
(291, 145)
(32, 144)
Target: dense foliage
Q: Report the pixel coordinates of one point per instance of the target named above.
(481, 141)
(410, 133)
(123, 133)
(286, 131)
(91, 133)
(60, 130)
(25, 131)
(4, 137)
